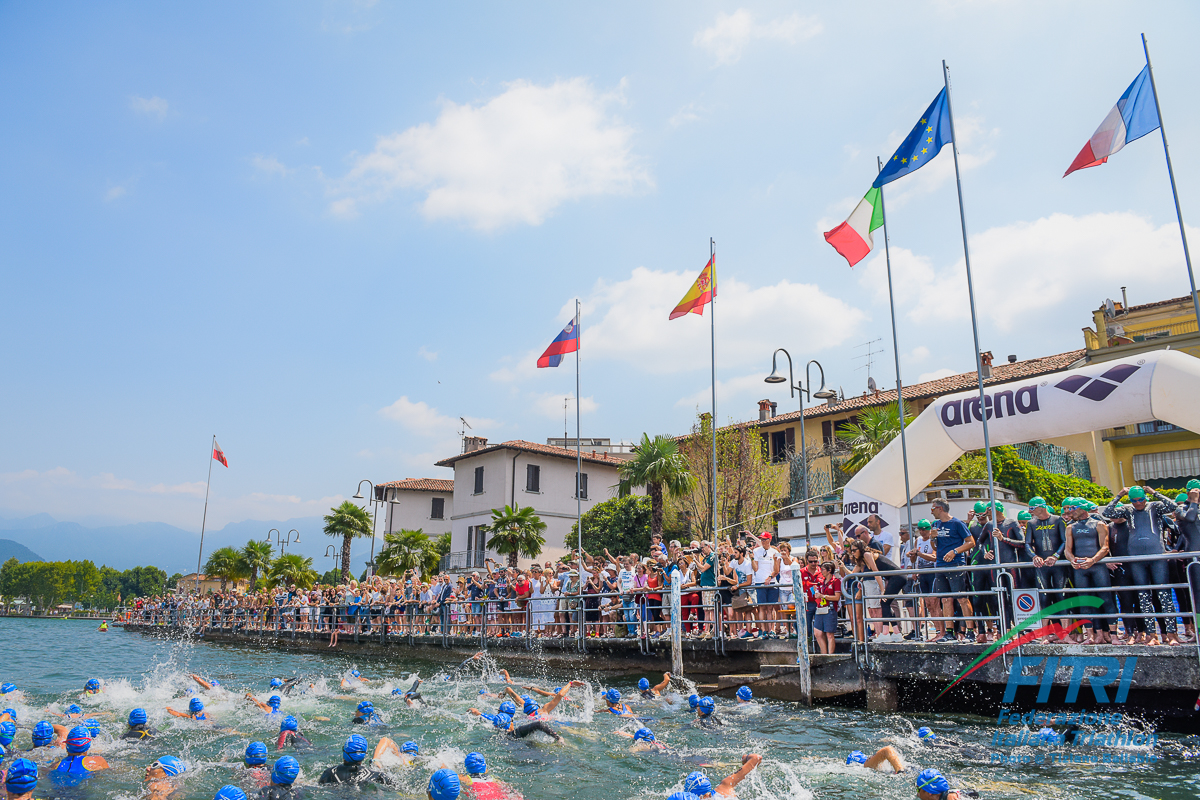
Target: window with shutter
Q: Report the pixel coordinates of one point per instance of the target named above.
(479, 480)
(438, 508)
(533, 478)
(583, 494)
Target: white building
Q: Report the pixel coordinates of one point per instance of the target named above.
(426, 504)
(524, 474)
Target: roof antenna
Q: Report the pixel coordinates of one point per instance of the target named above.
(462, 433)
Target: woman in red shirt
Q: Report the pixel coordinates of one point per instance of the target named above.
(810, 573)
(826, 591)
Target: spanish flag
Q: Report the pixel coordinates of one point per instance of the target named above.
(702, 292)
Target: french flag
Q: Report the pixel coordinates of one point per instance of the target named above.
(565, 342)
(1134, 115)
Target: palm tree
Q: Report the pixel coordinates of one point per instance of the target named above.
(402, 550)
(292, 568)
(349, 522)
(516, 531)
(433, 556)
(867, 437)
(226, 564)
(256, 558)
(659, 466)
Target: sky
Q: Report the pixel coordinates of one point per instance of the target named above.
(326, 231)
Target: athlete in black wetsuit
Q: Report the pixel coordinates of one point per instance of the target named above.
(1144, 524)
(1046, 535)
(354, 768)
(138, 730)
(1087, 544)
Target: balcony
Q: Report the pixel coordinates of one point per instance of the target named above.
(1153, 428)
(462, 561)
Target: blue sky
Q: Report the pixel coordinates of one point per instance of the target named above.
(324, 231)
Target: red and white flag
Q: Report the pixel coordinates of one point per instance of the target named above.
(219, 454)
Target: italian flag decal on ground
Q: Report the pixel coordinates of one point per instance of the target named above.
(852, 239)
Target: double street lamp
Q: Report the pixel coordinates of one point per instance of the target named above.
(358, 495)
(802, 390)
(280, 540)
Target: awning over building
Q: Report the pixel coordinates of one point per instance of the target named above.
(1173, 464)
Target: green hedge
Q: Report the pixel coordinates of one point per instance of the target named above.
(1027, 480)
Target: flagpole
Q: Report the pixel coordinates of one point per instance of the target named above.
(1162, 129)
(204, 519)
(962, 216)
(712, 321)
(579, 474)
(896, 349)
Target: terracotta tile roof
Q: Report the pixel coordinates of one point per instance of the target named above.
(419, 485)
(1155, 304)
(1001, 373)
(534, 447)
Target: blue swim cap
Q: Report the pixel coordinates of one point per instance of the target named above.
(365, 707)
(274, 701)
(475, 764)
(856, 757)
(932, 781)
(171, 765)
(12, 712)
(745, 694)
(214, 682)
(137, 716)
(43, 734)
(355, 749)
(22, 776)
(354, 673)
(285, 771)
(229, 792)
(8, 732)
(92, 685)
(530, 708)
(399, 691)
(481, 691)
(195, 706)
(612, 696)
(643, 734)
(507, 707)
(79, 740)
(925, 733)
(93, 726)
(502, 721)
(706, 706)
(256, 754)
(410, 747)
(73, 709)
(289, 724)
(444, 785)
(5, 688)
(693, 701)
(697, 783)
(276, 683)
(643, 684)
(557, 689)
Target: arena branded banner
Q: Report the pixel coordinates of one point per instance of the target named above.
(856, 507)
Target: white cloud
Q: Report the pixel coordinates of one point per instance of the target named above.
(270, 165)
(1029, 268)
(919, 353)
(936, 374)
(689, 113)
(550, 404)
(427, 354)
(115, 193)
(729, 35)
(153, 107)
(734, 393)
(422, 418)
(513, 159)
(975, 148)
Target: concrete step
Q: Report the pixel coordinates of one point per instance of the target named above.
(734, 681)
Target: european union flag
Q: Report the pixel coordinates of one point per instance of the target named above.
(920, 146)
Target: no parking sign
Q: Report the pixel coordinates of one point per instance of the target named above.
(1025, 604)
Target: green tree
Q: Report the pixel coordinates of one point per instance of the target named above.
(292, 568)
(875, 428)
(256, 559)
(173, 581)
(1029, 480)
(622, 525)
(14, 580)
(402, 550)
(142, 582)
(433, 556)
(349, 522)
(224, 563)
(330, 578)
(516, 531)
(657, 465)
(83, 581)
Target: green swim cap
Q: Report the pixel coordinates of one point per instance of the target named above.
(1136, 493)
(924, 525)
(1073, 502)
(999, 507)
(1024, 516)
(1038, 502)
(1181, 497)
(1193, 484)
(980, 507)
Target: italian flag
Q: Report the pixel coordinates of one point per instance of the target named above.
(852, 239)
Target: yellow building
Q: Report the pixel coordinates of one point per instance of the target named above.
(187, 584)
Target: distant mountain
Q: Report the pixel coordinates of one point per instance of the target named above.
(27, 523)
(168, 547)
(10, 549)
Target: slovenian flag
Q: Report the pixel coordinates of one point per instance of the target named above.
(565, 342)
(702, 292)
(1134, 115)
(852, 239)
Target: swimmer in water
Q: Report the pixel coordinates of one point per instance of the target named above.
(481, 786)
(932, 740)
(271, 706)
(47, 735)
(355, 676)
(643, 740)
(229, 792)
(8, 732)
(354, 770)
(195, 711)
(9, 715)
(932, 785)
(705, 708)
(744, 696)
(139, 730)
(884, 756)
(412, 696)
(365, 714)
(78, 765)
(531, 709)
(283, 775)
(209, 685)
(546, 692)
(21, 779)
(289, 733)
(73, 711)
(698, 784)
(453, 674)
(504, 721)
(254, 759)
(443, 785)
(8, 688)
(649, 692)
(160, 777)
(92, 687)
(612, 698)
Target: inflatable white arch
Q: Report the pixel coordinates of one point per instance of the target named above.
(1163, 384)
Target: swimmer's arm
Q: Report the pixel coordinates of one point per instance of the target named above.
(558, 698)
(201, 681)
(475, 711)
(175, 713)
(60, 733)
(511, 691)
(536, 690)
(385, 745)
(749, 762)
(255, 701)
(507, 679)
(345, 685)
(623, 733)
(887, 754)
(666, 681)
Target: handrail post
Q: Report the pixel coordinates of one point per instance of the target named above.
(676, 627)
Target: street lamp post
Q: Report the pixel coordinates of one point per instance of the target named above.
(278, 538)
(332, 552)
(802, 390)
(358, 495)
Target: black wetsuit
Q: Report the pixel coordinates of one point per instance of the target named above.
(1085, 539)
(139, 733)
(982, 581)
(523, 730)
(277, 792)
(1145, 531)
(354, 774)
(1048, 537)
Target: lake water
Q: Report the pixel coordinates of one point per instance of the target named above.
(804, 750)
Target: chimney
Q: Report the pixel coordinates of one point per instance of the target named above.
(985, 360)
(473, 443)
(1124, 299)
(774, 408)
(1012, 359)
(764, 410)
